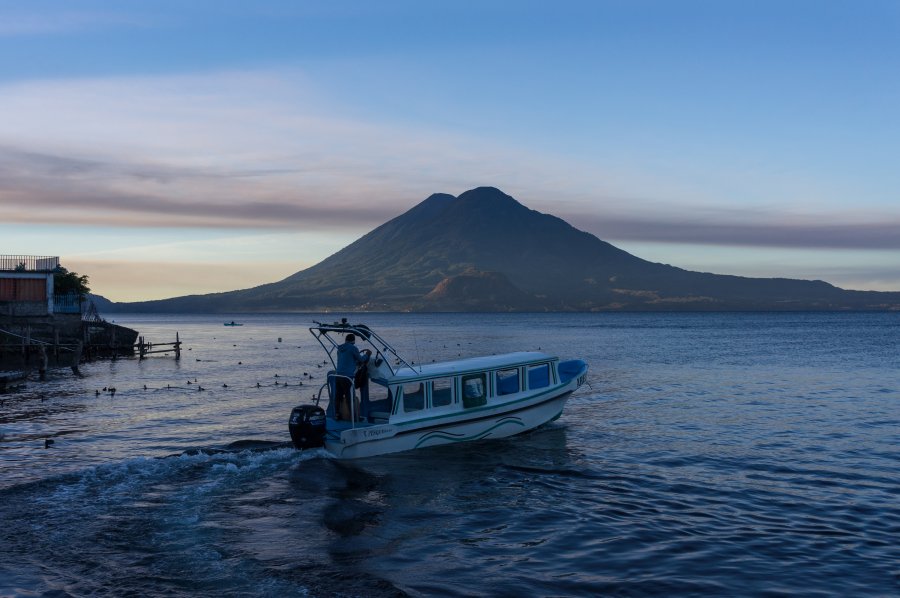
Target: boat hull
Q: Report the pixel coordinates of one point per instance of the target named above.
(461, 400)
(492, 422)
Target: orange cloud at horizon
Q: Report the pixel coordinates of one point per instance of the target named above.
(142, 281)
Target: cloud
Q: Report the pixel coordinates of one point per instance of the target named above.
(14, 24)
(260, 149)
(270, 149)
(121, 280)
(77, 191)
(827, 231)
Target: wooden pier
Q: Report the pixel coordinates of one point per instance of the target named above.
(147, 348)
(21, 351)
(29, 350)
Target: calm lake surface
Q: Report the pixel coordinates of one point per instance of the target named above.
(712, 454)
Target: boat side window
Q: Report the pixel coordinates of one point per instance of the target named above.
(413, 396)
(507, 382)
(474, 388)
(539, 376)
(441, 392)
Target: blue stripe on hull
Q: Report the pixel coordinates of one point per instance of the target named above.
(447, 437)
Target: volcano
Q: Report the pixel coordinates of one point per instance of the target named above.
(485, 251)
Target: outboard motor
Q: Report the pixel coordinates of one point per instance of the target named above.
(307, 426)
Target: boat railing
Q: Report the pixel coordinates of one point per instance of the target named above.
(328, 380)
(319, 395)
(380, 345)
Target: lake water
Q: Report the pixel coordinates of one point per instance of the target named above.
(711, 454)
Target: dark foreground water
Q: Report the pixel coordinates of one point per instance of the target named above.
(714, 454)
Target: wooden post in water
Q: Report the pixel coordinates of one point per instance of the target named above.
(76, 358)
(56, 344)
(42, 366)
(177, 347)
(140, 348)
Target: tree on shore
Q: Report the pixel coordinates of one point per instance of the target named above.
(65, 282)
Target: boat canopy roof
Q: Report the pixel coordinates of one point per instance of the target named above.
(322, 333)
(471, 364)
(403, 370)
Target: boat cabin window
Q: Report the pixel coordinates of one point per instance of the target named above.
(507, 382)
(539, 376)
(441, 392)
(413, 396)
(474, 389)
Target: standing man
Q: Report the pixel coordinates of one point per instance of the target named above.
(348, 359)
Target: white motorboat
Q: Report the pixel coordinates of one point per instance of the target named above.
(400, 406)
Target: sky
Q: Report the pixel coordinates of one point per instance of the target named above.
(169, 148)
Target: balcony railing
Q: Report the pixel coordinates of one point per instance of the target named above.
(73, 303)
(28, 263)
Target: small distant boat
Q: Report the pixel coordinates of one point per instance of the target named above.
(438, 403)
(232, 323)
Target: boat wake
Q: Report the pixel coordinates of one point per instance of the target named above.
(149, 526)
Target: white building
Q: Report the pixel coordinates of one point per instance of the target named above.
(26, 285)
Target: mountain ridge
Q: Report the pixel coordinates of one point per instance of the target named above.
(485, 251)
